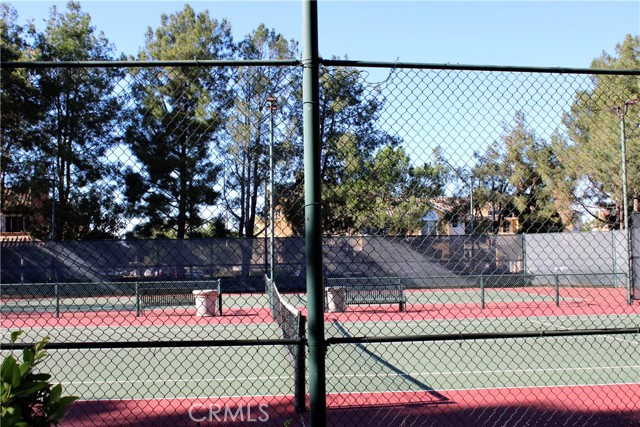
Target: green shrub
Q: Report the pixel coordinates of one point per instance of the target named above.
(28, 399)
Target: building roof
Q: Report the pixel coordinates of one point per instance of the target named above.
(13, 199)
(447, 204)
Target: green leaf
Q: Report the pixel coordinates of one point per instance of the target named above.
(24, 369)
(58, 409)
(10, 372)
(39, 377)
(67, 400)
(31, 388)
(28, 356)
(15, 335)
(56, 392)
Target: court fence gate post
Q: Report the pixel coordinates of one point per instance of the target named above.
(313, 214)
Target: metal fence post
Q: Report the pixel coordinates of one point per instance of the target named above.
(613, 256)
(313, 217)
(137, 299)
(524, 255)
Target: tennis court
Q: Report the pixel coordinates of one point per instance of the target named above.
(456, 381)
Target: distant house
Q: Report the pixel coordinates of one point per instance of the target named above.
(607, 217)
(449, 216)
(15, 223)
(281, 228)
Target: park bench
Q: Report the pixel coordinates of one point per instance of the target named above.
(369, 290)
(173, 294)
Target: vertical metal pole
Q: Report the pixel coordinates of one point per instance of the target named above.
(557, 283)
(272, 265)
(627, 234)
(21, 270)
(614, 254)
(57, 300)
(471, 217)
(482, 295)
(524, 258)
(137, 299)
(299, 394)
(54, 219)
(266, 239)
(313, 214)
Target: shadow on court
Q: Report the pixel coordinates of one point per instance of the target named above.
(159, 413)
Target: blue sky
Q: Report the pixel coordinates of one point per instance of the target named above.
(535, 33)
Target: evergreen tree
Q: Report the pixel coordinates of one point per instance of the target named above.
(20, 110)
(517, 176)
(74, 136)
(593, 147)
(246, 145)
(174, 125)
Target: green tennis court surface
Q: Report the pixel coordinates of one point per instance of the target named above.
(147, 373)
(462, 374)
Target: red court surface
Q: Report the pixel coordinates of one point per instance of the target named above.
(536, 406)
(576, 302)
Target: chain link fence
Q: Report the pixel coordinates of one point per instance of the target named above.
(477, 270)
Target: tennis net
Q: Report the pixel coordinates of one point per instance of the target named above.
(292, 324)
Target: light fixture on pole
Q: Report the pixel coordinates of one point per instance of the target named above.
(621, 112)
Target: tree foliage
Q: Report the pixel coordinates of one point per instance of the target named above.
(593, 130)
(245, 147)
(63, 155)
(197, 140)
(520, 176)
(19, 111)
(177, 115)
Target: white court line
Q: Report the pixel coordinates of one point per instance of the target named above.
(443, 390)
(260, 325)
(338, 376)
(616, 338)
(275, 377)
(476, 321)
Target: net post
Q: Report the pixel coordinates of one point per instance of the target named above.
(482, 293)
(557, 285)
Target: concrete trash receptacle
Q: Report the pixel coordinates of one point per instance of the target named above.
(206, 301)
(336, 299)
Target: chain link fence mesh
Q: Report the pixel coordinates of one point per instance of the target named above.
(476, 265)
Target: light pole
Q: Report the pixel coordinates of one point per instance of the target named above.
(273, 107)
(621, 112)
